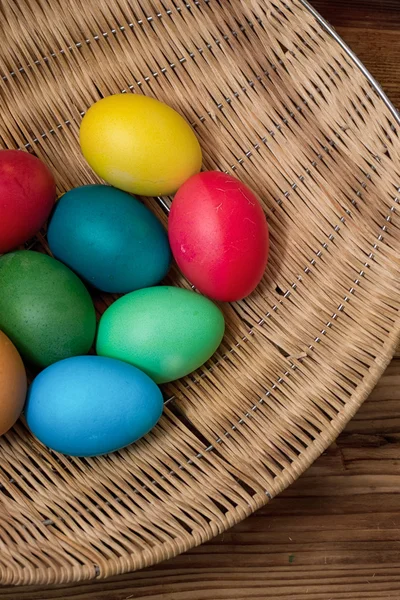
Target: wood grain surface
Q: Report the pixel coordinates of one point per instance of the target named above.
(335, 534)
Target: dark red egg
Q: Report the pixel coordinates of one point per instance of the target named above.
(27, 195)
(219, 235)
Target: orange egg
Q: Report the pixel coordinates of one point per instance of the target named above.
(12, 384)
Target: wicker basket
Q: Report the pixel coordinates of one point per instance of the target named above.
(278, 100)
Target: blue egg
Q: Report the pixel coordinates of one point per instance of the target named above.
(91, 405)
(109, 238)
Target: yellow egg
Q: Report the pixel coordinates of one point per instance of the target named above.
(12, 384)
(139, 144)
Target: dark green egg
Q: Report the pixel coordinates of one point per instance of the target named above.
(44, 308)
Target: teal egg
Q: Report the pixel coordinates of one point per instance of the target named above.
(109, 238)
(89, 405)
(167, 332)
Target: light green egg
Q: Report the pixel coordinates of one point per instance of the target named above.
(167, 332)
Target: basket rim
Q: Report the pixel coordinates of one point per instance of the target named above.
(361, 393)
(306, 459)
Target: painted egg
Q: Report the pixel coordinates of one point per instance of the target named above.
(90, 405)
(139, 144)
(44, 308)
(12, 384)
(219, 236)
(27, 195)
(167, 332)
(109, 238)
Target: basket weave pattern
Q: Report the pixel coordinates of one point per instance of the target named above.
(275, 101)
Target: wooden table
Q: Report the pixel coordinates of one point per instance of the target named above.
(335, 534)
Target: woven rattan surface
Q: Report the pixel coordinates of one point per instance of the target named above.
(275, 101)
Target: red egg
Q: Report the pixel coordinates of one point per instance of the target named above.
(27, 195)
(219, 235)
